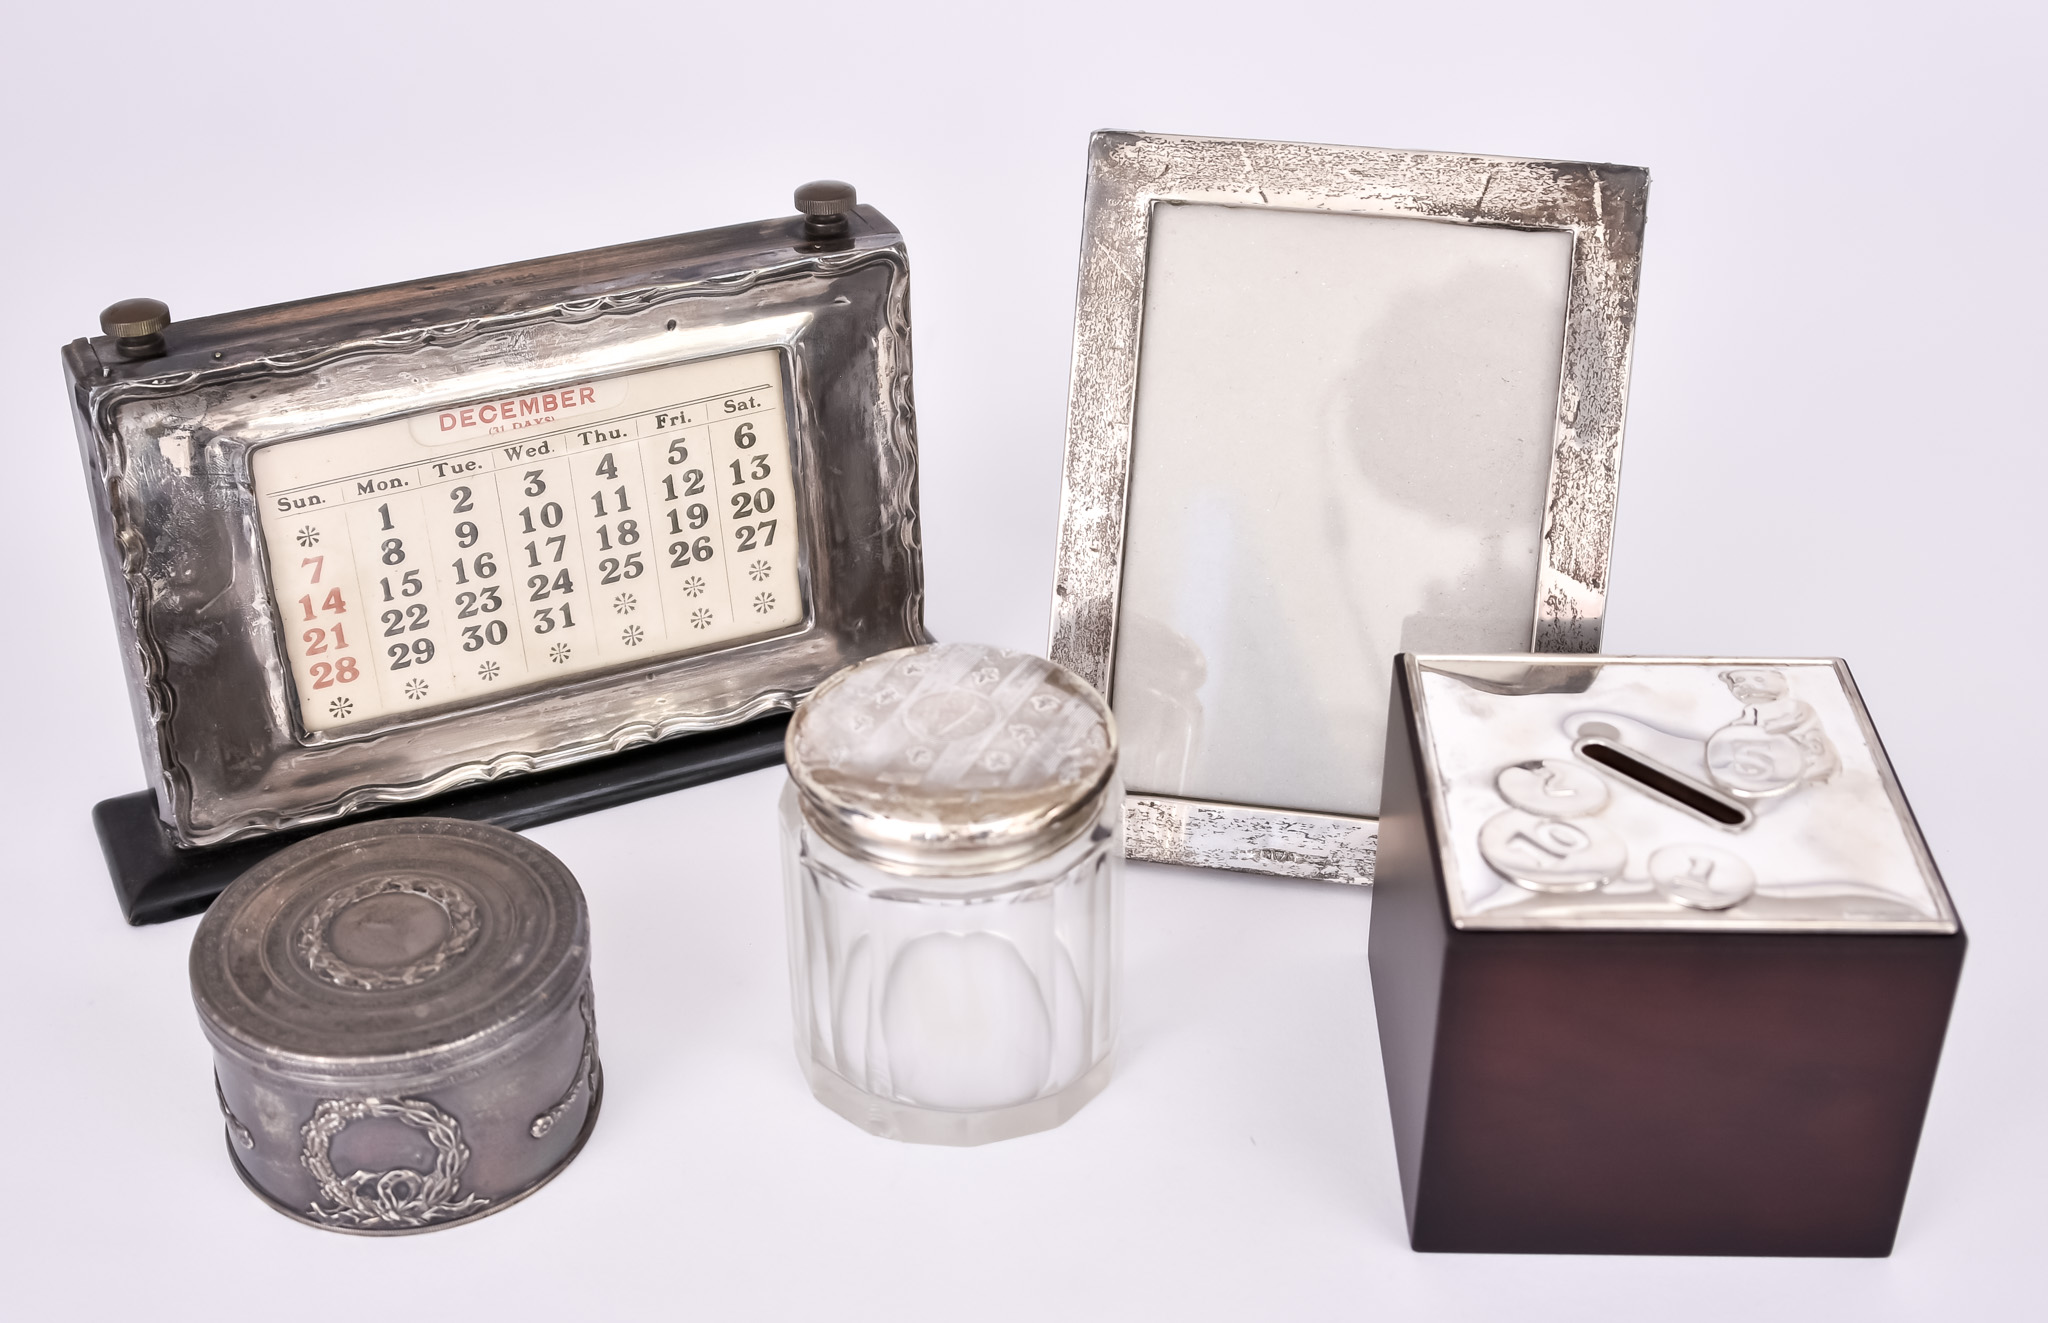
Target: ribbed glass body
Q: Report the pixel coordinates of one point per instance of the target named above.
(955, 1010)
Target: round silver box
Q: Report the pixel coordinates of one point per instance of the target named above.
(401, 1023)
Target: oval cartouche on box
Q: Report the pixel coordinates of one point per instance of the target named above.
(401, 1022)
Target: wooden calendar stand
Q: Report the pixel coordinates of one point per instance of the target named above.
(156, 879)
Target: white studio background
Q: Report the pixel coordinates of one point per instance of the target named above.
(1835, 447)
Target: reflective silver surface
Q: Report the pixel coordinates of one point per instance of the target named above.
(402, 1023)
(952, 759)
(1661, 793)
(1553, 788)
(1132, 177)
(1544, 854)
(168, 442)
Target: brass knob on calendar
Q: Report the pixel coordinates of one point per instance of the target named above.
(826, 205)
(137, 326)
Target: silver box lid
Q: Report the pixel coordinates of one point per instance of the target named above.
(390, 953)
(1666, 793)
(952, 759)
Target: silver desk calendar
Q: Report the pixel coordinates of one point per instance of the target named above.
(483, 535)
(605, 524)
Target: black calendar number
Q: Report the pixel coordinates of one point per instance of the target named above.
(550, 517)
(614, 570)
(394, 551)
(535, 483)
(409, 585)
(745, 505)
(746, 533)
(743, 436)
(473, 604)
(682, 553)
(628, 533)
(544, 619)
(418, 653)
(760, 471)
(542, 585)
(557, 542)
(461, 497)
(678, 453)
(399, 622)
(693, 484)
(484, 567)
(466, 535)
(607, 467)
(474, 637)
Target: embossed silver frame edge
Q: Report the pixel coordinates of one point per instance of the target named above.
(611, 299)
(1603, 208)
(1945, 921)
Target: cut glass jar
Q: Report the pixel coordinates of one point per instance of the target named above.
(952, 860)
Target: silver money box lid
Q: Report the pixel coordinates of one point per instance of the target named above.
(1719, 794)
(952, 759)
(399, 950)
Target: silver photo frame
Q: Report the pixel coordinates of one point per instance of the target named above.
(173, 419)
(1328, 404)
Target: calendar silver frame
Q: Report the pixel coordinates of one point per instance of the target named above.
(167, 443)
(1601, 206)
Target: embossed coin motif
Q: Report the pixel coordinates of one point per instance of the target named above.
(1553, 788)
(1546, 854)
(1754, 763)
(1702, 877)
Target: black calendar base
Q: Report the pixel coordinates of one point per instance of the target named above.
(156, 879)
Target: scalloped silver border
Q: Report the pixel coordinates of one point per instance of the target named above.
(348, 377)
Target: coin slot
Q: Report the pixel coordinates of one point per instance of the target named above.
(1663, 783)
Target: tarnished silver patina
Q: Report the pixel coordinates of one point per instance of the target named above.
(170, 415)
(1131, 176)
(952, 759)
(1666, 793)
(402, 1023)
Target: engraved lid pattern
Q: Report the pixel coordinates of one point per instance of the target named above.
(438, 925)
(952, 758)
(391, 951)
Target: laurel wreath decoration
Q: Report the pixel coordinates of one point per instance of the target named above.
(586, 1074)
(400, 1197)
(321, 959)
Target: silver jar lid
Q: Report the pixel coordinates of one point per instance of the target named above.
(390, 950)
(952, 759)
